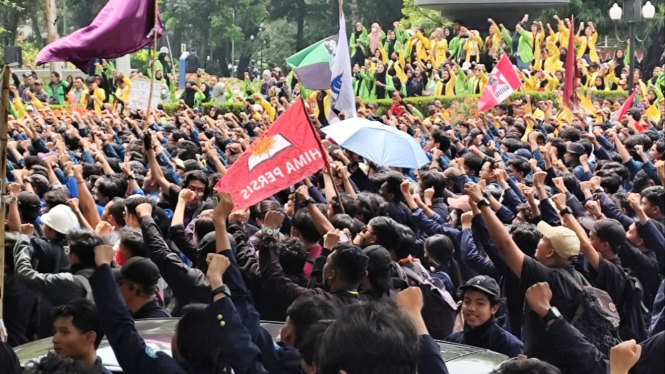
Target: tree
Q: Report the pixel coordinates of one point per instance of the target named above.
(418, 17)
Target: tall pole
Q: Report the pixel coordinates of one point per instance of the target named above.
(64, 17)
(4, 116)
(152, 68)
(233, 47)
(51, 30)
(631, 47)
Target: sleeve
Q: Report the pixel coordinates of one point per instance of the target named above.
(430, 360)
(133, 355)
(610, 210)
(472, 258)
(183, 242)
(654, 239)
(570, 343)
(50, 286)
(179, 276)
(533, 272)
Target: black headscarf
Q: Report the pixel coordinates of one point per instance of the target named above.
(188, 94)
(619, 61)
(165, 64)
(380, 77)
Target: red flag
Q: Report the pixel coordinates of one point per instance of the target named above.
(502, 82)
(571, 69)
(285, 154)
(618, 116)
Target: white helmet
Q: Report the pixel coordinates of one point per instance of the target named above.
(164, 50)
(61, 219)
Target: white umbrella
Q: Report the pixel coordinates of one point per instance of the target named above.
(381, 144)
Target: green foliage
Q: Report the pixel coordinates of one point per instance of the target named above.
(29, 52)
(415, 16)
(235, 108)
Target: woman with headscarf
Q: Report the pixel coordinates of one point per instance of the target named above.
(218, 94)
(376, 37)
(380, 84)
(206, 92)
(619, 61)
(358, 45)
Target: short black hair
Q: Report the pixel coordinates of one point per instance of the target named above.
(350, 262)
(528, 366)
(117, 209)
(370, 338)
(370, 205)
(306, 311)
(345, 221)
(520, 164)
(132, 240)
(443, 140)
(135, 200)
(435, 180)
(82, 243)
(292, 256)
(197, 175)
(473, 162)
(302, 221)
(570, 134)
(385, 230)
(111, 187)
(350, 204)
(84, 317)
(202, 226)
(526, 236)
(308, 346)
(54, 363)
(55, 197)
(259, 210)
(655, 196)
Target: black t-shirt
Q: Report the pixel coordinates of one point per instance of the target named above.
(190, 211)
(565, 298)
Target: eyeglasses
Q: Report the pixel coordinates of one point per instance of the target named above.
(367, 230)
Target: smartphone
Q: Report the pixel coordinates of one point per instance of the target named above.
(215, 201)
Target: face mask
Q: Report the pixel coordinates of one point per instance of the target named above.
(375, 29)
(429, 66)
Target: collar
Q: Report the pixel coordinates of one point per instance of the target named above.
(473, 333)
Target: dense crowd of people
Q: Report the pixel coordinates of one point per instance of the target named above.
(528, 233)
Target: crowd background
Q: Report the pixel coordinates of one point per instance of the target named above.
(526, 216)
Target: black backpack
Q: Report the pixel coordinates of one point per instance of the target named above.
(633, 312)
(439, 308)
(596, 316)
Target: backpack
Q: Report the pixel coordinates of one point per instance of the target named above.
(439, 308)
(633, 312)
(596, 316)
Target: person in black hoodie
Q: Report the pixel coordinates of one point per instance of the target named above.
(480, 302)
(378, 284)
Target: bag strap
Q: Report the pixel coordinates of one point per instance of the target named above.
(86, 285)
(443, 293)
(570, 278)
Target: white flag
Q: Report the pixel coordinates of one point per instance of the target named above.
(341, 86)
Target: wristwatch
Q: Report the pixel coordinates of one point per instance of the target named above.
(131, 176)
(221, 289)
(566, 210)
(270, 231)
(310, 200)
(482, 203)
(552, 314)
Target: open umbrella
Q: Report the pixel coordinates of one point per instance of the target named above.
(381, 144)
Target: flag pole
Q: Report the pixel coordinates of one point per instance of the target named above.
(152, 68)
(324, 153)
(4, 117)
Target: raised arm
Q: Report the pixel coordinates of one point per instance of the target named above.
(569, 220)
(504, 242)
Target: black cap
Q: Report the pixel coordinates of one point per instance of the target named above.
(192, 165)
(29, 200)
(379, 259)
(635, 113)
(138, 270)
(575, 148)
(608, 230)
(483, 283)
(169, 127)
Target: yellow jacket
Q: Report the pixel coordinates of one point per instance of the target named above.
(439, 52)
(447, 89)
(539, 37)
(422, 46)
(99, 94)
(474, 43)
(122, 93)
(590, 42)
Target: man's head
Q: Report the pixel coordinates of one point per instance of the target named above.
(82, 245)
(481, 299)
(345, 267)
(557, 246)
(652, 202)
(369, 338)
(303, 228)
(114, 212)
(131, 218)
(303, 313)
(132, 244)
(381, 230)
(77, 331)
(438, 139)
(107, 188)
(55, 77)
(607, 236)
(38, 86)
(29, 206)
(137, 280)
(59, 221)
(198, 182)
(91, 82)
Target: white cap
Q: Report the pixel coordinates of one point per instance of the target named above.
(466, 66)
(61, 219)
(164, 50)
(267, 72)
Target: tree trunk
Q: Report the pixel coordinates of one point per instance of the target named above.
(334, 20)
(221, 54)
(243, 63)
(203, 53)
(355, 11)
(11, 28)
(175, 43)
(35, 28)
(653, 55)
(300, 24)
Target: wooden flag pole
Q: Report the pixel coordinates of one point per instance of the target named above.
(324, 152)
(4, 116)
(152, 68)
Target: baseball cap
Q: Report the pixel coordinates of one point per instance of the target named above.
(29, 200)
(575, 148)
(484, 284)
(60, 218)
(523, 153)
(138, 270)
(608, 230)
(169, 127)
(564, 241)
(40, 182)
(635, 113)
(190, 165)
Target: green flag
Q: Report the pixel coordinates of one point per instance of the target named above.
(313, 65)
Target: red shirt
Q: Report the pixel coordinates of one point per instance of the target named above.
(312, 254)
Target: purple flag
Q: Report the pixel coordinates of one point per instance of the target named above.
(121, 27)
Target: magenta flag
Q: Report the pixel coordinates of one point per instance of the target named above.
(121, 27)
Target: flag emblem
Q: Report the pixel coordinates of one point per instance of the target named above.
(266, 148)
